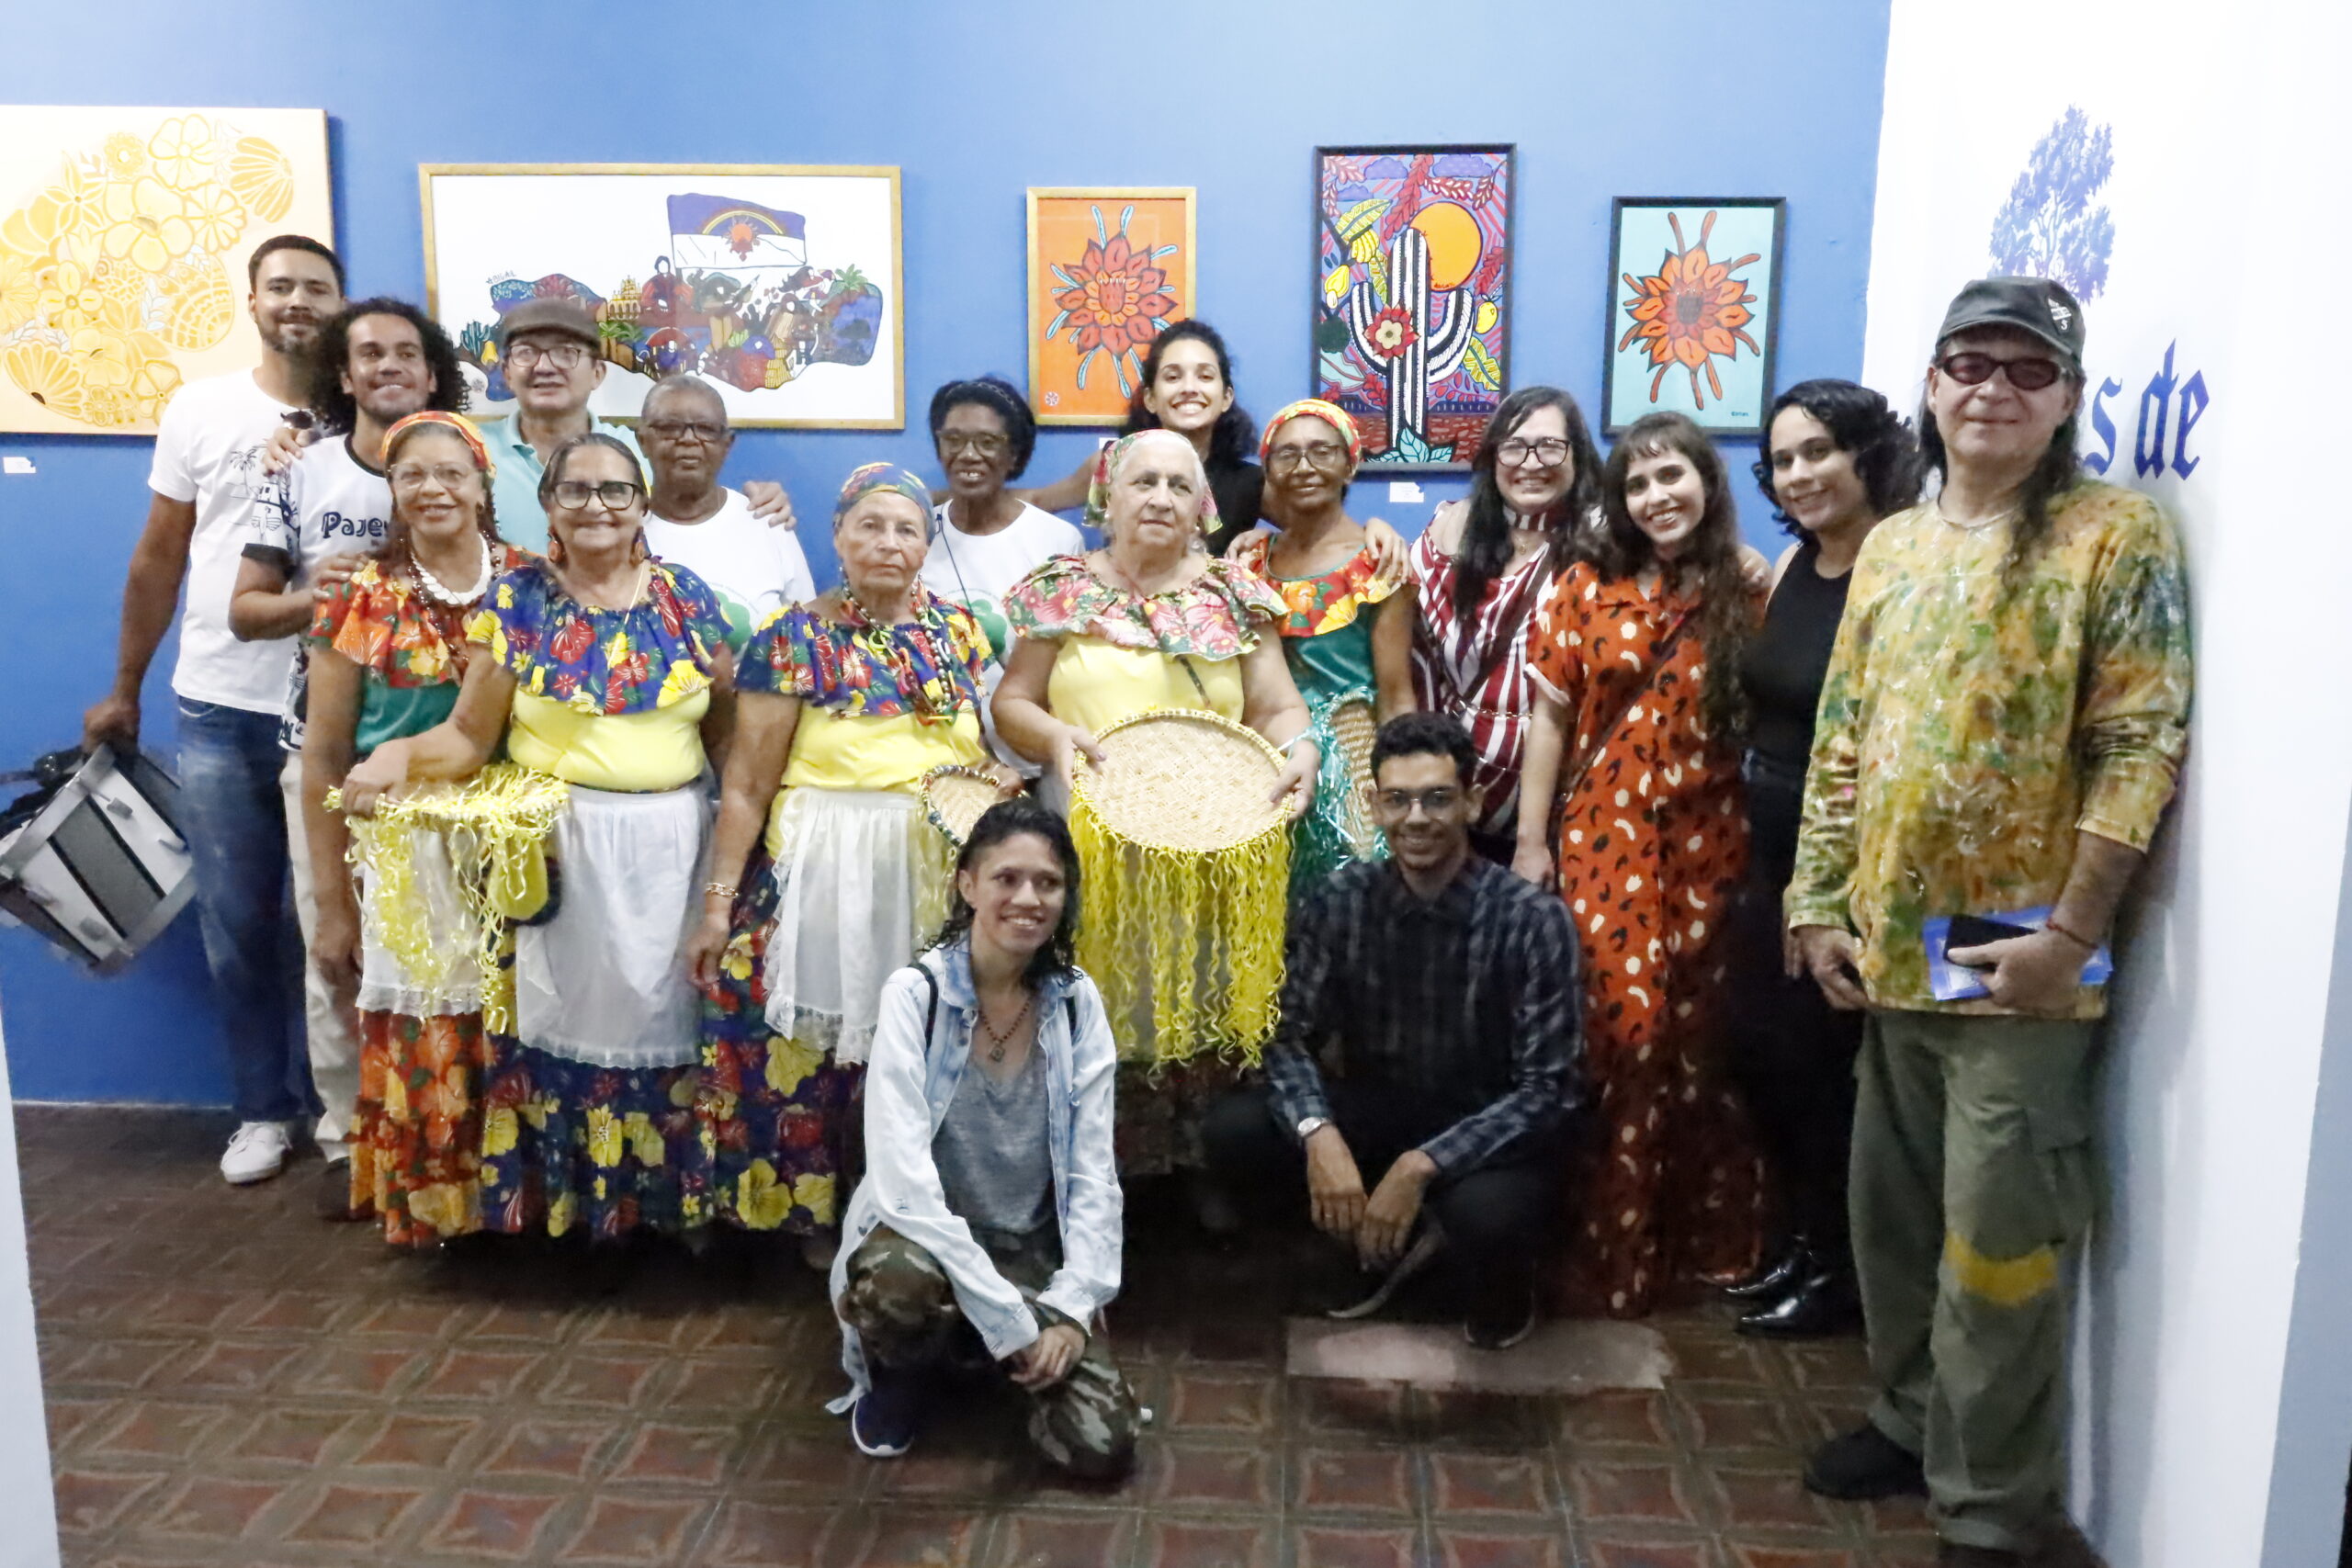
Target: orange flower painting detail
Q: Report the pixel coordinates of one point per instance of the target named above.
(1109, 270)
(1689, 311)
(1113, 297)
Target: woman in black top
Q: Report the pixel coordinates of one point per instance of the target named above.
(1837, 459)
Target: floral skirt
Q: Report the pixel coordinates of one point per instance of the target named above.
(416, 1136)
(607, 1150)
(778, 1117)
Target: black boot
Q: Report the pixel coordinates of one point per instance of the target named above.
(1778, 1276)
(1824, 1304)
(1864, 1465)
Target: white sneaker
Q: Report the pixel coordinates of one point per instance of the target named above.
(255, 1153)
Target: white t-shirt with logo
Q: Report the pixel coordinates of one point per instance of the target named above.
(327, 502)
(755, 569)
(976, 570)
(208, 452)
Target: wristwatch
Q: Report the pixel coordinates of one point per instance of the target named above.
(1310, 1125)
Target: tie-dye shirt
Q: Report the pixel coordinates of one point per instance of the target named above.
(1967, 731)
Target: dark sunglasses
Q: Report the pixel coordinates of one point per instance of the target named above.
(2025, 375)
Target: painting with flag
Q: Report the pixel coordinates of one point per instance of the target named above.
(779, 286)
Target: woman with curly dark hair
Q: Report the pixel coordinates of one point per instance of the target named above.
(1837, 459)
(1631, 781)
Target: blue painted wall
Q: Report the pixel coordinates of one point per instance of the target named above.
(974, 103)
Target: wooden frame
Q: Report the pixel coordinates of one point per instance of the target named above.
(1691, 340)
(809, 338)
(1156, 273)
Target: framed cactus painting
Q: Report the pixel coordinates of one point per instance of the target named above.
(1694, 311)
(1108, 270)
(1412, 296)
(124, 235)
(779, 284)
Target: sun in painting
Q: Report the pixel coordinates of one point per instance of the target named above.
(1689, 311)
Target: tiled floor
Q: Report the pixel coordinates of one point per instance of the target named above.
(231, 1380)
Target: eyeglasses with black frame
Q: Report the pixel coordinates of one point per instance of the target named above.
(1398, 803)
(1327, 457)
(565, 355)
(2029, 374)
(1546, 450)
(616, 494)
(709, 434)
(987, 443)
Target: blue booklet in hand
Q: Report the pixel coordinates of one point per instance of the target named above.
(1949, 982)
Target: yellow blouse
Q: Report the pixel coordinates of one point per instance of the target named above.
(846, 751)
(1095, 684)
(642, 752)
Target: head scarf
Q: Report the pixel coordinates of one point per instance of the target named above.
(1331, 414)
(468, 432)
(1115, 456)
(874, 477)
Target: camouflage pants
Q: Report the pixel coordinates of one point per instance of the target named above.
(903, 1308)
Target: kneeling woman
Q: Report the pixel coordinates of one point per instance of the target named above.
(609, 671)
(847, 703)
(987, 1137)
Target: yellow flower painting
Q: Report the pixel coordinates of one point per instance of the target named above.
(124, 236)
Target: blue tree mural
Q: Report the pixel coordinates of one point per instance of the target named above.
(2050, 227)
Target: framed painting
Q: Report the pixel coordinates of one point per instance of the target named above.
(1688, 332)
(1108, 270)
(780, 284)
(124, 235)
(1412, 296)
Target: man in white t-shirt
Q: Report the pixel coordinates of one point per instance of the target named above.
(378, 362)
(695, 522)
(984, 538)
(203, 482)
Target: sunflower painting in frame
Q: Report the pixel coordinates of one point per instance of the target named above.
(1694, 302)
(1109, 270)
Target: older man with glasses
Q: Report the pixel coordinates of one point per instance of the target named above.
(693, 521)
(1447, 991)
(1999, 733)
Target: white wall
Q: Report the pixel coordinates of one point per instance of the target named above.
(26, 1501)
(2221, 199)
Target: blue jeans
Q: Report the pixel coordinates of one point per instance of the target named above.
(235, 816)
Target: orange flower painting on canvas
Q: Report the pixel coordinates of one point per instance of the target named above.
(1709, 319)
(1109, 270)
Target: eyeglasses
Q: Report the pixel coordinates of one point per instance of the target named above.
(616, 494)
(1546, 450)
(2028, 375)
(988, 444)
(411, 476)
(685, 430)
(562, 355)
(1399, 803)
(1328, 456)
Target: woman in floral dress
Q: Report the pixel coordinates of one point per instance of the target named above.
(1632, 779)
(610, 671)
(388, 651)
(847, 703)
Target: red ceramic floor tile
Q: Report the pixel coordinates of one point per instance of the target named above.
(1827, 1553)
(620, 1328)
(715, 1386)
(1717, 1357)
(601, 1382)
(1649, 1492)
(308, 1313)
(554, 1448)
(1612, 1554)
(478, 1376)
(358, 1370)
(1614, 1418)
(410, 1441)
(822, 1467)
(1481, 1548)
(1186, 1476)
(767, 1535)
(890, 1537)
(1200, 1400)
(155, 1431)
(1031, 1539)
(192, 1310)
(70, 1420)
(1488, 1483)
(411, 1318)
(1828, 1364)
(1353, 1412)
(355, 1518)
(1190, 1543)
(937, 1472)
(661, 1454)
(1352, 1481)
(211, 1509)
(110, 1365)
(1726, 1421)
(1770, 1499)
(501, 1527)
(89, 1501)
(290, 1436)
(1319, 1546)
(652, 1531)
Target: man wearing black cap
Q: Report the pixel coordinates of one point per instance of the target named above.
(553, 358)
(1999, 734)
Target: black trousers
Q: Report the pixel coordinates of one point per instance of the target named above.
(1496, 1218)
(1792, 1053)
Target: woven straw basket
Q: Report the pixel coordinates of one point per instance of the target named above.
(955, 797)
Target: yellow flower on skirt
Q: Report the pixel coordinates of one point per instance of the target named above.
(536, 1110)
(758, 1200)
(604, 1136)
(395, 1097)
(735, 963)
(499, 1130)
(790, 1062)
(442, 1206)
(644, 1138)
(815, 1194)
(561, 1213)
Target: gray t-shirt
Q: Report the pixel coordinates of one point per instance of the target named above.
(991, 1149)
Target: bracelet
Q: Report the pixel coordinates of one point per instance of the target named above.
(2087, 943)
(726, 890)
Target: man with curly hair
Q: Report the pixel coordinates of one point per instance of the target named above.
(378, 362)
(206, 472)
